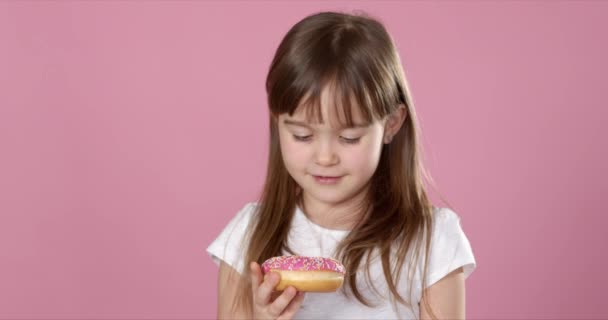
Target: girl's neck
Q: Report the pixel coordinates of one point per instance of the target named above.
(335, 216)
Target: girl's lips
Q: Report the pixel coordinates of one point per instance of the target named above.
(327, 180)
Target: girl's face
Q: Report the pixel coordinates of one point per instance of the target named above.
(330, 163)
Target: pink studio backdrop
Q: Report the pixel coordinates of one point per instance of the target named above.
(131, 132)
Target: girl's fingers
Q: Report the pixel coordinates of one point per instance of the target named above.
(285, 305)
(274, 295)
(271, 280)
(280, 304)
(293, 306)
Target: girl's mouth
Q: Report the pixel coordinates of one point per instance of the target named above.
(327, 180)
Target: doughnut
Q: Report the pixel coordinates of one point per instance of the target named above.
(309, 274)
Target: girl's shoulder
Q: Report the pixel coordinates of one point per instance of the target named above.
(248, 209)
(445, 220)
(443, 217)
(239, 222)
(244, 215)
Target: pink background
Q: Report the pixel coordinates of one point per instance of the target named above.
(131, 132)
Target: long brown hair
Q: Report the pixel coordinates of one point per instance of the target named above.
(356, 55)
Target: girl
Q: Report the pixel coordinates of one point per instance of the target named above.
(344, 180)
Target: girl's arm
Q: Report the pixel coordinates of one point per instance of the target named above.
(227, 288)
(446, 297)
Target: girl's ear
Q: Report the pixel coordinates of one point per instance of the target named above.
(394, 122)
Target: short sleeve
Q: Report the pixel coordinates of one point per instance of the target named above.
(450, 247)
(229, 246)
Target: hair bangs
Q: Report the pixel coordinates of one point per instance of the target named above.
(346, 96)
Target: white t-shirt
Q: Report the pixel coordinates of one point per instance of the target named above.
(450, 249)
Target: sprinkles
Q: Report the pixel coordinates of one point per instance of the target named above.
(300, 263)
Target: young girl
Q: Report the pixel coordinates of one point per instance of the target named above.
(344, 180)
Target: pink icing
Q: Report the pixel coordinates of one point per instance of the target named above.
(300, 263)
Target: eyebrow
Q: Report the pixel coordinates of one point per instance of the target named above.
(302, 124)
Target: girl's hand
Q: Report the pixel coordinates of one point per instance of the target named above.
(284, 306)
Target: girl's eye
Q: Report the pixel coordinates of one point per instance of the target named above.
(351, 141)
(301, 138)
(307, 138)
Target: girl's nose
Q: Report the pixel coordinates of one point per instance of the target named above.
(326, 155)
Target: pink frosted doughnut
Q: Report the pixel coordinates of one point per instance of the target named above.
(311, 274)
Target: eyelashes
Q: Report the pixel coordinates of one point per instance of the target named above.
(307, 138)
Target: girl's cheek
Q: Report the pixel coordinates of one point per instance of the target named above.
(359, 160)
(293, 146)
(365, 158)
(293, 151)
